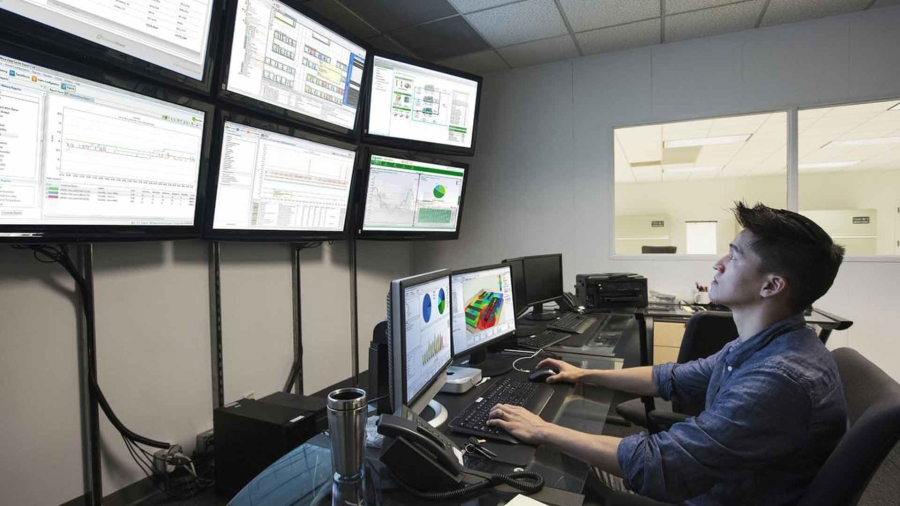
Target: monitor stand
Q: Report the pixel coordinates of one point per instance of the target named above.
(489, 367)
(434, 413)
(537, 314)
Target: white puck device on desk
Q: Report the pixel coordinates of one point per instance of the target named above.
(461, 379)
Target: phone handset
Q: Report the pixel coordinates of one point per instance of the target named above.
(423, 438)
(571, 303)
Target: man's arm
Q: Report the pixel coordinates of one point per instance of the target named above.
(635, 380)
(600, 451)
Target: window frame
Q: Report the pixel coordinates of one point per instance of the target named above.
(792, 185)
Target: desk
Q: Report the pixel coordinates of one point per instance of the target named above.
(303, 476)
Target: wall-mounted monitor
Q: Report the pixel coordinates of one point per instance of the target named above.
(415, 105)
(81, 160)
(274, 182)
(172, 41)
(410, 196)
(285, 61)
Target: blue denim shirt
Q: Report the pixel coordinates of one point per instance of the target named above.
(775, 410)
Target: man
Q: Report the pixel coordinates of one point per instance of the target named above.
(774, 406)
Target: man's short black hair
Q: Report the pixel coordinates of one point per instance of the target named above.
(795, 247)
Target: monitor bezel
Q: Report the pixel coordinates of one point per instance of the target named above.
(409, 144)
(114, 233)
(403, 235)
(403, 284)
(235, 116)
(483, 344)
(26, 31)
(562, 285)
(275, 111)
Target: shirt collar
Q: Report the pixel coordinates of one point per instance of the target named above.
(741, 350)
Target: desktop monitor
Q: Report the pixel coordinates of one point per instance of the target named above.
(542, 280)
(274, 182)
(415, 105)
(283, 60)
(408, 196)
(81, 160)
(483, 314)
(419, 338)
(170, 41)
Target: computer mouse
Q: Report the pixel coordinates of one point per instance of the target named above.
(541, 375)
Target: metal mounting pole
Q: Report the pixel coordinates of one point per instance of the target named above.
(215, 326)
(295, 379)
(88, 363)
(354, 322)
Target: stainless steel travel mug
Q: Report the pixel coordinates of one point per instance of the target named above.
(347, 425)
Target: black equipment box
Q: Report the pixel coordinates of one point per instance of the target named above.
(249, 435)
(615, 290)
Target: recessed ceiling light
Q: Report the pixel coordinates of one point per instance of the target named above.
(706, 141)
(895, 108)
(865, 142)
(680, 170)
(828, 165)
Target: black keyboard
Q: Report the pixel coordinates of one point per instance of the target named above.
(543, 339)
(571, 322)
(473, 419)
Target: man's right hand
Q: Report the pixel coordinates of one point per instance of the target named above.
(567, 372)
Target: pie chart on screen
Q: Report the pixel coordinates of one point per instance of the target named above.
(426, 308)
(440, 191)
(442, 301)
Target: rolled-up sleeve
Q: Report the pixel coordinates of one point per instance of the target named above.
(740, 432)
(685, 383)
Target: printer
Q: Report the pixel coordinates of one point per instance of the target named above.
(612, 290)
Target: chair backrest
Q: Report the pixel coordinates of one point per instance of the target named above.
(706, 333)
(873, 406)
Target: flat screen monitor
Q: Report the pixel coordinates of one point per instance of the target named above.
(419, 343)
(274, 182)
(542, 280)
(411, 197)
(483, 311)
(419, 106)
(81, 160)
(517, 267)
(286, 61)
(167, 39)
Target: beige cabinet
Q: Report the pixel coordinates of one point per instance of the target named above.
(666, 341)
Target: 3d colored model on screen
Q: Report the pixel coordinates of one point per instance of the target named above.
(483, 310)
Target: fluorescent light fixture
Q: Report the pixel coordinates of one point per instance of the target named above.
(828, 165)
(706, 141)
(681, 170)
(866, 142)
(895, 108)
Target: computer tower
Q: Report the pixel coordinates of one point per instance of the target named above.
(250, 435)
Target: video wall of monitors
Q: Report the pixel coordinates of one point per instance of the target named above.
(109, 127)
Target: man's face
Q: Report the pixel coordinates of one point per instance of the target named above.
(739, 276)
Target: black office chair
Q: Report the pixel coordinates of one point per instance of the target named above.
(658, 249)
(873, 408)
(706, 333)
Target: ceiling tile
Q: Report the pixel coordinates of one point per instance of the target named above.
(480, 63)
(440, 39)
(616, 38)
(519, 22)
(339, 15)
(789, 11)
(540, 51)
(679, 6)
(708, 22)
(386, 43)
(885, 3)
(387, 15)
(589, 15)
(466, 6)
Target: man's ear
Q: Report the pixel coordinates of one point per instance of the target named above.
(774, 284)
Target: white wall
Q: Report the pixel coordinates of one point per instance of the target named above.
(153, 346)
(544, 154)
